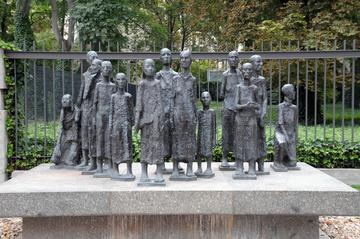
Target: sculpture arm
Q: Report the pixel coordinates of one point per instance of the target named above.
(264, 105)
(111, 115)
(81, 92)
(139, 106)
(223, 86)
(96, 95)
(131, 111)
(237, 99)
(213, 118)
(281, 123)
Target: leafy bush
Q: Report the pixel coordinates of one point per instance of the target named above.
(320, 154)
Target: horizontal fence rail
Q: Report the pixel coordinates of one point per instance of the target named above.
(282, 55)
(327, 86)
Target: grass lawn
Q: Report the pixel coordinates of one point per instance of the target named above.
(357, 187)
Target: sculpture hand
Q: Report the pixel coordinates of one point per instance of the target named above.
(262, 122)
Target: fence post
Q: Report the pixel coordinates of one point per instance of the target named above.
(3, 133)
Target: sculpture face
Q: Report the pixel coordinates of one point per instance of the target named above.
(106, 68)
(95, 66)
(289, 91)
(185, 59)
(90, 56)
(205, 98)
(233, 59)
(149, 68)
(257, 63)
(165, 56)
(66, 101)
(247, 70)
(121, 80)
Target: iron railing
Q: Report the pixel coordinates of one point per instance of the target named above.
(326, 83)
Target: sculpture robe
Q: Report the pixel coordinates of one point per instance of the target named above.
(103, 92)
(184, 134)
(150, 119)
(206, 140)
(67, 148)
(121, 121)
(246, 124)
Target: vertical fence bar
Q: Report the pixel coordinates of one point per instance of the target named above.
(72, 78)
(118, 65)
(343, 98)
(325, 89)
(316, 96)
(199, 80)
(62, 71)
(35, 97)
(54, 98)
(306, 93)
(289, 63)
(270, 79)
(16, 111)
(353, 96)
(279, 83)
(45, 106)
(334, 93)
(26, 102)
(297, 78)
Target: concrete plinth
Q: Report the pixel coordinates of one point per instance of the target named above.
(65, 204)
(172, 226)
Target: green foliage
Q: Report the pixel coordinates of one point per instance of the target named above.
(23, 35)
(357, 187)
(98, 21)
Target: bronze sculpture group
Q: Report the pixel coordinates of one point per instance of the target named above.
(101, 122)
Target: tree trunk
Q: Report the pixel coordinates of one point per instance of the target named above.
(59, 35)
(23, 34)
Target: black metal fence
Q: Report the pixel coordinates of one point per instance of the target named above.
(327, 83)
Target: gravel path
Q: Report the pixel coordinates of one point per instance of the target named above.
(10, 228)
(341, 227)
(334, 227)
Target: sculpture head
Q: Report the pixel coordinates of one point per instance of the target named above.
(148, 68)
(233, 59)
(95, 66)
(66, 101)
(247, 69)
(257, 62)
(185, 59)
(165, 56)
(288, 91)
(205, 98)
(90, 56)
(106, 68)
(121, 80)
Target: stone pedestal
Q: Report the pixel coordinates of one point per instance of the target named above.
(65, 204)
(172, 226)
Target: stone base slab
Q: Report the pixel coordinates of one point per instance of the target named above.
(172, 226)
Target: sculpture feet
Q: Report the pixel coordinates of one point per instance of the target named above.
(102, 174)
(170, 171)
(123, 177)
(183, 177)
(147, 182)
(81, 166)
(207, 174)
(225, 166)
(240, 175)
(279, 167)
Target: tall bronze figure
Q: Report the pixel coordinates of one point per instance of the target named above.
(286, 132)
(85, 104)
(121, 122)
(101, 106)
(246, 125)
(149, 118)
(206, 137)
(184, 120)
(260, 82)
(230, 79)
